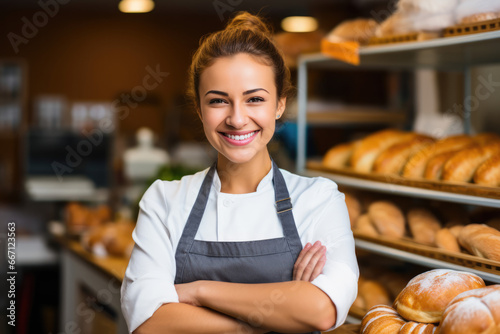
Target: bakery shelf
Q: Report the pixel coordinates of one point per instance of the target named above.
(432, 258)
(355, 116)
(445, 53)
(459, 193)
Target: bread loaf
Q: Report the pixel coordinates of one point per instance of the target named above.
(455, 230)
(365, 226)
(373, 293)
(381, 319)
(353, 208)
(481, 240)
(444, 239)
(425, 297)
(369, 148)
(473, 312)
(412, 327)
(416, 164)
(480, 17)
(358, 30)
(423, 225)
(339, 156)
(486, 138)
(434, 168)
(488, 173)
(462, 165)
(393, 159)
(387, 219)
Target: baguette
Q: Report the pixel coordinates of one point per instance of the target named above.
(339, 156)
(393, 159)
(387, 219)
(488, 173)
(415, 166)
(462, 165)
(481, 240)
(367, 151)
(434, 168)
(444, 239)
(423, 225)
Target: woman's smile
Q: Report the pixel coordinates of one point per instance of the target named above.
(239, 138)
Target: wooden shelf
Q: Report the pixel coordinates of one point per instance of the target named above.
(394, 184)
(355, 116)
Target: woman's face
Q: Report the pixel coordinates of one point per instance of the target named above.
(239, 106)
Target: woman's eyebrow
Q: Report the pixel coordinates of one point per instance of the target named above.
(244, 93)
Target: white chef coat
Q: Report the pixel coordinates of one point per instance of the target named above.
(319, 211)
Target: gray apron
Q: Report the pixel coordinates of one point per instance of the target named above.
(259, 261)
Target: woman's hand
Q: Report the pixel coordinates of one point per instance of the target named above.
(188, 292)
(310, 262)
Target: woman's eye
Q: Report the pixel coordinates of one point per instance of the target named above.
(214, 101)
(256, 99)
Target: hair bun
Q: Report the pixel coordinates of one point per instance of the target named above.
(246, 21)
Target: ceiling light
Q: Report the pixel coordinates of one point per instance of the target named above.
(299, 24)
(136, 6)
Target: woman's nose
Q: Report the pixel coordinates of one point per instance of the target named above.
(237, 117)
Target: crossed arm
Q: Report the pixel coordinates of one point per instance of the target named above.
(220, 307)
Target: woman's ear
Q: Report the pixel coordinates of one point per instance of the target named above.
(281, 107)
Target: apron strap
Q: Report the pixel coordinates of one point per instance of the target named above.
(193, 222)
(284, 211)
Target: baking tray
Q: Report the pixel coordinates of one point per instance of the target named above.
(404, 38)
(443, 186)
(461, 259)
(472, 28)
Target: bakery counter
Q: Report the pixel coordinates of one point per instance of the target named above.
(90, 291)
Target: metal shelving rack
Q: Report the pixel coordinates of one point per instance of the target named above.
(451, 54)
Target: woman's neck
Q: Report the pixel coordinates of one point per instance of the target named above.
(245, 177)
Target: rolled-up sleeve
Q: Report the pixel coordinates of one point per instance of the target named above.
(149, 278)
(339, 279)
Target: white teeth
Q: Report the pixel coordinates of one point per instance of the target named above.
(242, 137)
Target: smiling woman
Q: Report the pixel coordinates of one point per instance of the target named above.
(222, 251)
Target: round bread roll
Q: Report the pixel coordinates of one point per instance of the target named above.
(373, 293)
(481, 240)
(353, 208)
(423, 225)
(425, 297)
(359, 30)
(427, 6)
(369, 148)
(381, 319)
(416, 164)
(387, 219)
(462, 165)
(455, 230)
(412, 327)
(393, 159)
(488, 173)
(473, 312)
(365, 226)
(339, 156)
(444, 239)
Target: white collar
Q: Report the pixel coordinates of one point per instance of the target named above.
(263, 184)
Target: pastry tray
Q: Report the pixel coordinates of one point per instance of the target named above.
(469, 189)
(472, 28)
(410, 246)
(404, 38)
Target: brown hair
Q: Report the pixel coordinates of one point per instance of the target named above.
(245, 33)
